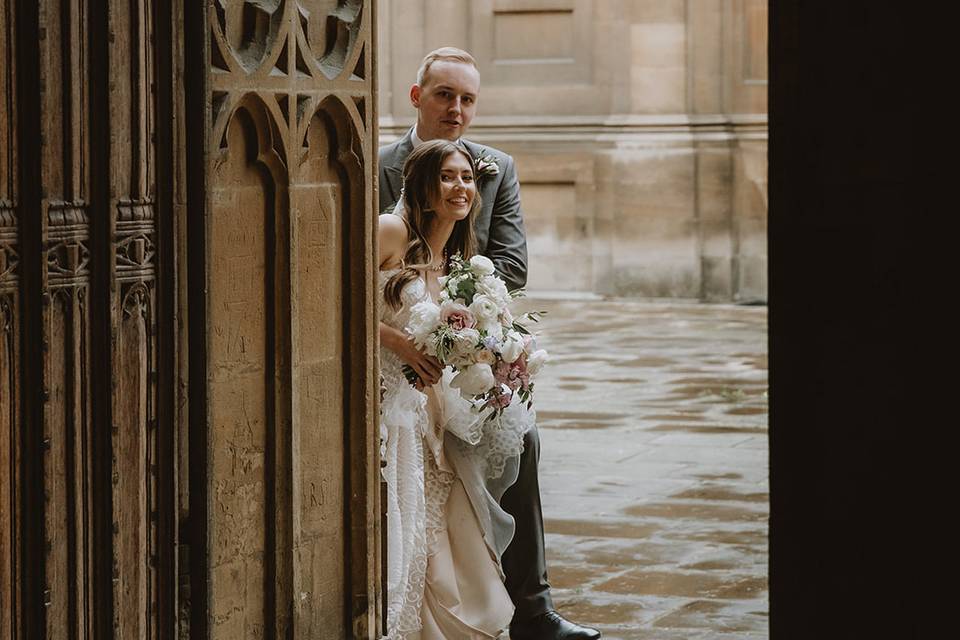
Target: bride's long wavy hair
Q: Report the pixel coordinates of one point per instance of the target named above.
(421, 188)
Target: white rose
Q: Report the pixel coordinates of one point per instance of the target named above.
(481, 265)
(485, 356)
(464, 347)
(474, 380)
(484, 308)
(512, 347)
(536, 361)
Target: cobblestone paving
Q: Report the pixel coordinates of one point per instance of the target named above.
(653, 420)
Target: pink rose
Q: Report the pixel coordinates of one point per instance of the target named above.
(457, 316)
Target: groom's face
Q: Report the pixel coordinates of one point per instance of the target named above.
(447, 100)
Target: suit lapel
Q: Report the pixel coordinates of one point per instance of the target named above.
(488, 194)
(393, 165)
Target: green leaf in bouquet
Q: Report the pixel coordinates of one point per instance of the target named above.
(466, 289)
(444, 343)
(412, 376)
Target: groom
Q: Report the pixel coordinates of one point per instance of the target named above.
(445, 96)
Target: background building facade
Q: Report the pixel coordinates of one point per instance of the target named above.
(639, 129)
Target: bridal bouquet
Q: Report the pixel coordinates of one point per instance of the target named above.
(493, 355)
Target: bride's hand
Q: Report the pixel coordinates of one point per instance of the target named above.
(426, 366)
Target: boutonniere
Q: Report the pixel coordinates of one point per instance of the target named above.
(487, 166)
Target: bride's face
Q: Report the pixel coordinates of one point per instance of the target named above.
(457, 188)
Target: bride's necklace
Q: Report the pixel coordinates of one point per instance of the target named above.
(438, 268)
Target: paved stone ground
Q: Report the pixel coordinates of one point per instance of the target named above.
(653, 473)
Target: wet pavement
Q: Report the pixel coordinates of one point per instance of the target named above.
(653, 472)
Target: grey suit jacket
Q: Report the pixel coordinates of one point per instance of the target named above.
(499, 225)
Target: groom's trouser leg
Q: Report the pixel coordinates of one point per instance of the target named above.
(523, 562)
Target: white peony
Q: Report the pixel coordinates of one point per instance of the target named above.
(512, 347)
(484, 308)
(474, 380)
(493, 328)
(481, 265)
(424, 319)
(536, 361)
(495, 288)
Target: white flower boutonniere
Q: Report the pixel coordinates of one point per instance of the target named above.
(487, 166)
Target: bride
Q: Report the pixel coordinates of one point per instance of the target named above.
(445, 468)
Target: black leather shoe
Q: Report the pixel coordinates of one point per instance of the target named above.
(551, 626)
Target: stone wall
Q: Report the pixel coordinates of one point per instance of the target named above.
(639, 129)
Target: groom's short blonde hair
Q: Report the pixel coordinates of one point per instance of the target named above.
(446, 54)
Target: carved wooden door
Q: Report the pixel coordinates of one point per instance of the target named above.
(186, 320)
(285, 392)
(86, 428)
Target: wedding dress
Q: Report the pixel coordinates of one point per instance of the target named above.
(446, 469)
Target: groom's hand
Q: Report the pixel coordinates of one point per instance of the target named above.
(426, 366)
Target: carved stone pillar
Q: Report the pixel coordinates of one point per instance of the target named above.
(285, 281)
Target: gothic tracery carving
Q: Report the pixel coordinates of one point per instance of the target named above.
(247, 29)
(285, 51)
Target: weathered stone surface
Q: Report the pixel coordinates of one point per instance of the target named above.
(653, 423)
(639, 131)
